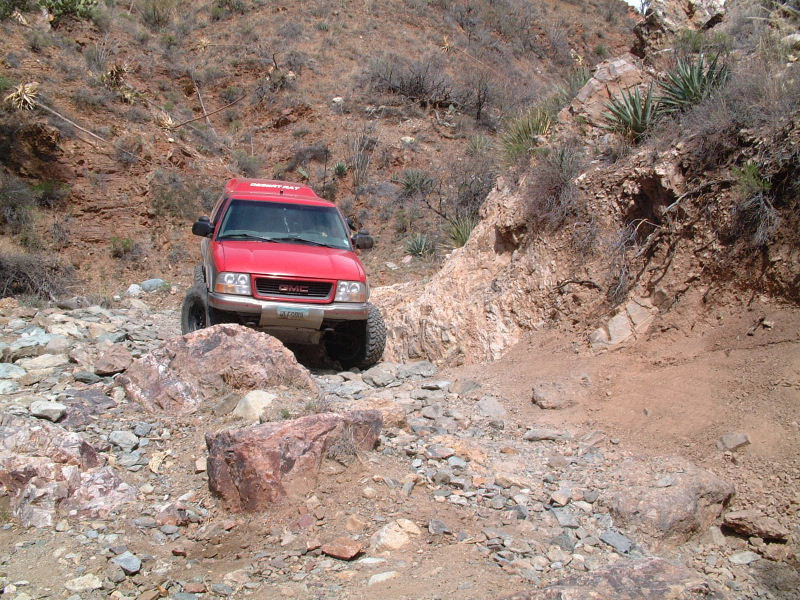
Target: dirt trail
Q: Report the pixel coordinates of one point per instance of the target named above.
(678, 392)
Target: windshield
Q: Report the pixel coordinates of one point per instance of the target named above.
(279, 222)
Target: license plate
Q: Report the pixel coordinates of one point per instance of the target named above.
(292, 313)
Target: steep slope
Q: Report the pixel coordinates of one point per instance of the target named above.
(349, 96)
(601, 238)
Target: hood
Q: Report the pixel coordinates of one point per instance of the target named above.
(288, 260)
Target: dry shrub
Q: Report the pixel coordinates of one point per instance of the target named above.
(174, 196)
(423, 81)
(36, 275)
(758, 94)
(553, 196)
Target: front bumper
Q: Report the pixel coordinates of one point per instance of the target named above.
(289, 314)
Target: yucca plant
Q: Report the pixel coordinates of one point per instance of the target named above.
(522, 135)
(573, 82)
(691, 82)
(416, 183)
(632, 114)
(340, 169)
(420, 245)
(460, 229)
(23, 96)
(478, 144)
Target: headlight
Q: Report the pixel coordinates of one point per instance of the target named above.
(351, 291)
(233, 283)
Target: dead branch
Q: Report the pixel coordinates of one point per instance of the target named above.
(202, 105)
(213, 112)
(584, 282)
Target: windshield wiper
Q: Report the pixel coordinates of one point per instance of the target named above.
(249, 236)
(301, 240)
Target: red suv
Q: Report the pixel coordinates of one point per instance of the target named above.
(279, 258)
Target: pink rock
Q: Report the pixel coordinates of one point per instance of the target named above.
(47, 470)
(114, 360)
(690, 503)
(207, 364)
(343, 548)
(755, 523)
(252, 467)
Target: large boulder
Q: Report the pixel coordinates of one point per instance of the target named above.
(609, 78)
(645, 579)
(670, 499)
(668, 17)
(252, 467)
(207, 364)
(47, 470)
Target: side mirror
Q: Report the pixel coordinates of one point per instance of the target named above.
(203, 227)
(363, 240)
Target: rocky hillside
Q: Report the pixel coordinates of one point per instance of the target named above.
(142, 110)
(690, 202)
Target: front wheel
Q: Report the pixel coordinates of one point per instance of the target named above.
(194, 312)
(197, 314)
(359, 343)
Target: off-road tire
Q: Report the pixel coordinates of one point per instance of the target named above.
(375, 338)
(199, 276)
(197, 314)
(194, 311)
(359, 343)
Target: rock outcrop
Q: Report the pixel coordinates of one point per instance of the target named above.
(442, 322)
(609, 78)
(646, 579)
(47, 470)
(755, 523)
(668, 17)
(252, 467)
(669, 500)
(188, 370)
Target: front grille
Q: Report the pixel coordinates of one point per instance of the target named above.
(293, 287)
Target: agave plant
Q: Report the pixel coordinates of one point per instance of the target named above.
(691, 82)
(416, 182)
(420, 245)
(632, 114)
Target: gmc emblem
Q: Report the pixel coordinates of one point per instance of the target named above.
(293, 289)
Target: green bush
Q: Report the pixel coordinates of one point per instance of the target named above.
(6, 83)
(420, 245)
(156, 14)
(7, 7)
(523, 135)
(691, 82)
(632, 114)
(248, 165)
(82, 9)
(17, 205)
(51, 194)
(121, 247)
(173, 196)
(690, 41)
(340, 169)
